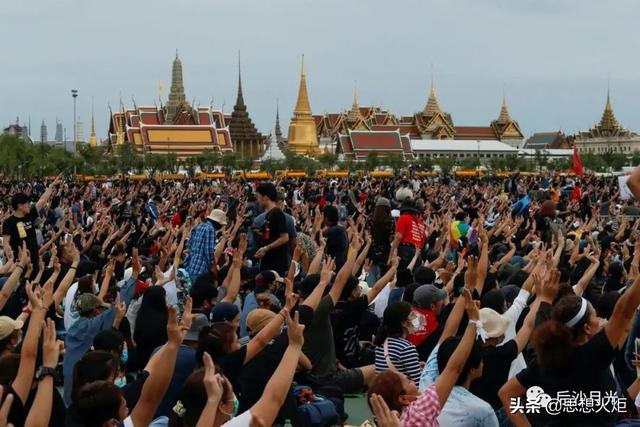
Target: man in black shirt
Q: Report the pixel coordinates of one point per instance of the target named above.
(274, 255)
(337, 239)
(20, 227)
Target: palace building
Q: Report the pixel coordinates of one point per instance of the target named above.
(176, 127)
(335, 130)
(607, 136)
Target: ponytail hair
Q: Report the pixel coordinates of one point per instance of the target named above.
(394, 316)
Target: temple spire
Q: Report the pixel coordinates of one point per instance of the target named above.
(608, 122)
(240, 98)
(303, 137)
(432, 106)
(93, 140)
(278, 131)
(504, 116)
(177, 97)
(302, 105)
(355, 114)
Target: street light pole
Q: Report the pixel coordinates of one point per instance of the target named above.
(74, 94)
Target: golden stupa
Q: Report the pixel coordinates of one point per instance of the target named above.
(303, 137)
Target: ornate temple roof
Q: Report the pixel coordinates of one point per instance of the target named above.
(432, 107)
(356, 145)
(244, 133)
(607, 127)
(303, 128)
(303, 106)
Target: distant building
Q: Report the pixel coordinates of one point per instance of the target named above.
(607, 136)
(59, 132)
(303, 136)
(178, 127)
(431, 123)
(357, 145)
(547, 140)
(43, 132)
(16, 129)
(482, 149)
(273, 151)
(548, 153)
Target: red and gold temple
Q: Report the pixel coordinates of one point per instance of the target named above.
(176, 127)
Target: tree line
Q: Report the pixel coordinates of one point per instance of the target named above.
(25, 159)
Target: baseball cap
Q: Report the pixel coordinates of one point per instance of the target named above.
(426, 295)
(199, 321)
(494, 323)
(89, 302)
(8, 325)
(224, 312)
(258, 319)
(218, 216)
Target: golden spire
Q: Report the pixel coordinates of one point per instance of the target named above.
(504, 116)
(354, 114)
(93, 140)
(608, 121)
(303, 135)
(432, 106)
(303, 106)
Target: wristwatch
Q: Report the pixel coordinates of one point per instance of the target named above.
(44, 371)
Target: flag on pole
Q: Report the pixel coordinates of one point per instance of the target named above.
(577, 163)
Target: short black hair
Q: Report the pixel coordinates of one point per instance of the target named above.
(445, 351)
(331, 214)
(202, 291)
(19, 199)
(267, 189)
(349, 287)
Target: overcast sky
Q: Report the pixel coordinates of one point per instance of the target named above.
(553, 58)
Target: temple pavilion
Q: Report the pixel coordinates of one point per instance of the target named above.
(176, 127)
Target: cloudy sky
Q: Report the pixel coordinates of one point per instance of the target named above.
(553, 58)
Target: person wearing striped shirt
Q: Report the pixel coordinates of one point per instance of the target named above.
(393, 350)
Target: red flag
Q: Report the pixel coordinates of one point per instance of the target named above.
(577, 163)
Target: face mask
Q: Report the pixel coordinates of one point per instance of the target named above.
(120, 382)
(236, 405)
(124, 356)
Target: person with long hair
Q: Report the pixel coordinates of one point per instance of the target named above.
(393, 350)
(574, 353)
(382, 233)
(150, 330)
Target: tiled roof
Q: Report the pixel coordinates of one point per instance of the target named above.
(474, 132)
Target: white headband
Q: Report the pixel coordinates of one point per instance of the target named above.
(578, 317)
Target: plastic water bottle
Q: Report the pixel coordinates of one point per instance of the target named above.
(287, 423)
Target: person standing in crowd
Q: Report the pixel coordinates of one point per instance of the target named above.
(202, 244)
(410, 232)
(336, 235)
(274, 254)
(20, 227)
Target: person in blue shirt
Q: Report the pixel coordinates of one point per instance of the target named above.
(202, 244)
(95, 316)
(266, 284)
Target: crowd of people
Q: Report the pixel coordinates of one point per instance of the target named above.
(452, 302)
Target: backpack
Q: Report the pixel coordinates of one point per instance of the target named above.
(313, 410)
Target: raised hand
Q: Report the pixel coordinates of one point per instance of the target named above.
(295, 331)
(328, 267)
(213, 383)
(384, 416)
(51, 346)
(470, 306)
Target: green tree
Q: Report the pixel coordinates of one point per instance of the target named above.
(468, 163)
(372, 161)
(559, 165)
(229, 162)
(445, 164)
(327, 160)
(422, 164)
(394, 161)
